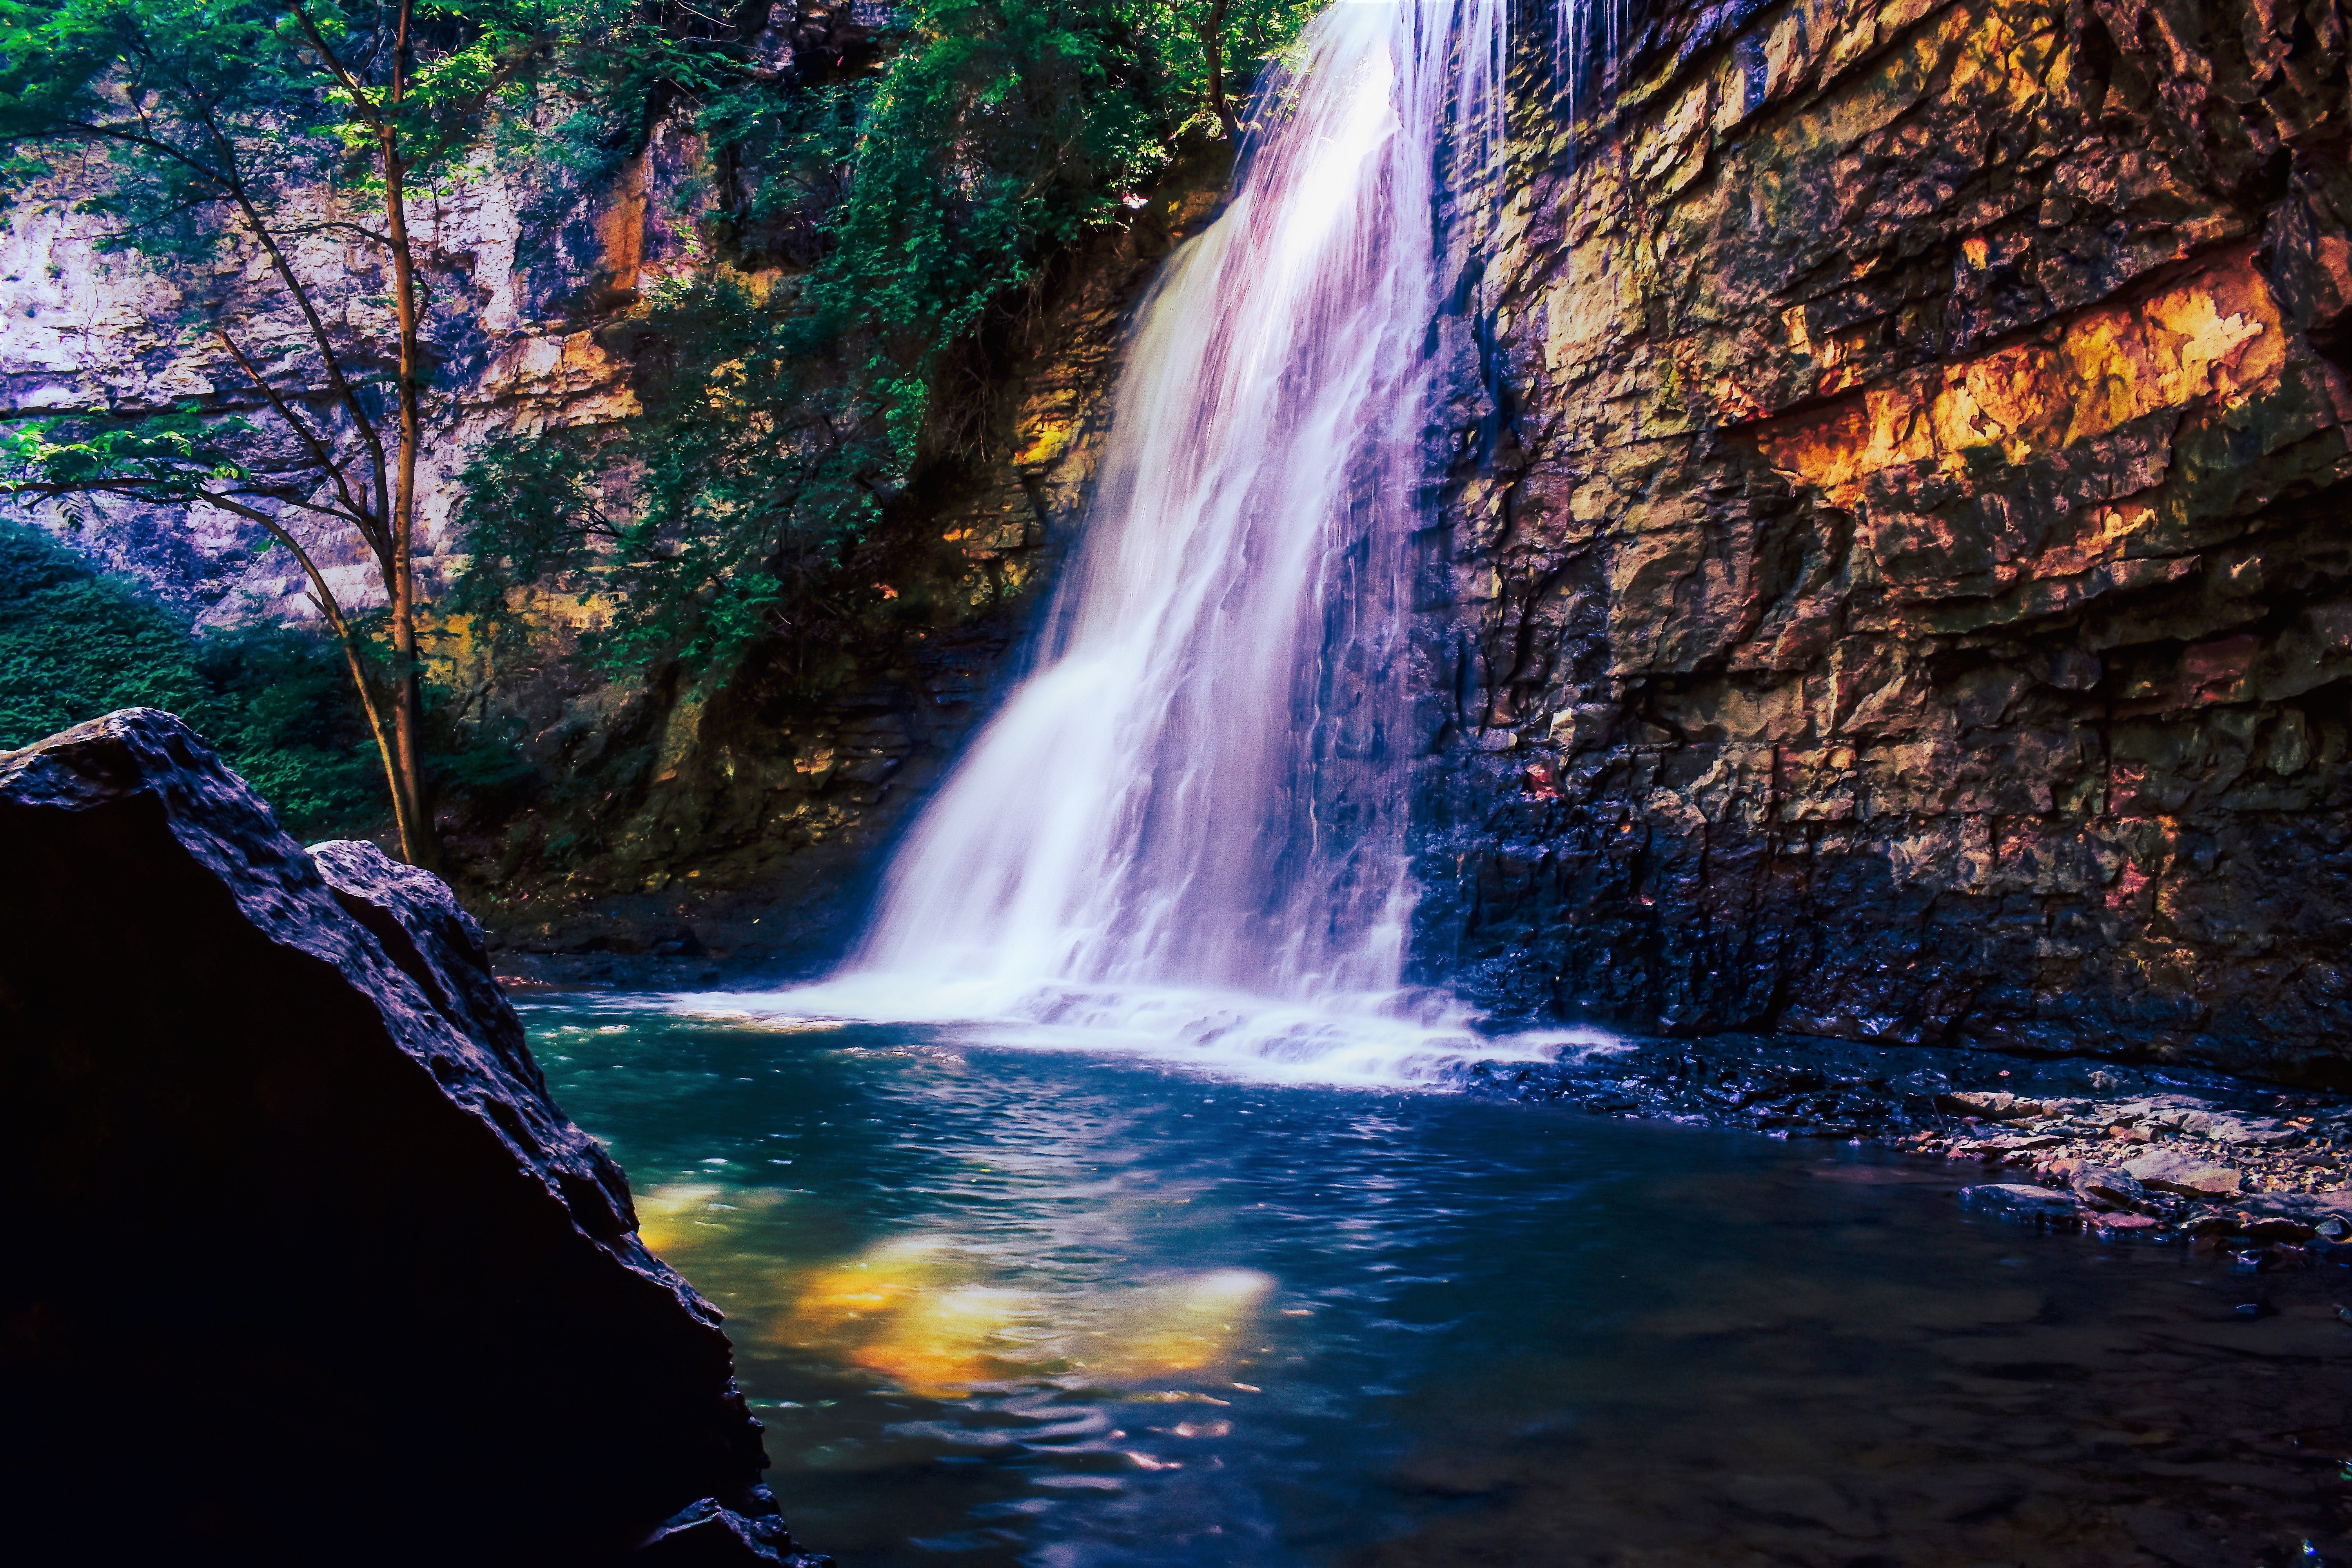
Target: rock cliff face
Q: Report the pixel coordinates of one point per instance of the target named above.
(1912, 599)
(83, 327)
(306, 1265)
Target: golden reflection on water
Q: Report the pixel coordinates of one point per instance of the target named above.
(667, 1218)
(933, 1315)
(918, 1311)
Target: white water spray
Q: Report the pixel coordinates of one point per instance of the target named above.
(1187, 826)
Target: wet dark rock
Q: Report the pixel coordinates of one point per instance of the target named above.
(2275, 1227)
(2020, 1202)
(706, 1535)
(306, 1264)
(686, 945)
(2126, 1226)
(431, 939)
(2104, 1186)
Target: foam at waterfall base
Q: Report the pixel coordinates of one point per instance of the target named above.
(1398, 1039)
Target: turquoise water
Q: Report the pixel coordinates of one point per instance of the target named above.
(999, 1306)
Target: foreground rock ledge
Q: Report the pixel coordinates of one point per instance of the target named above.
(306, 1265)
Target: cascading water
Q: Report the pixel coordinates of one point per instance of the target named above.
(1186, 825)
(1198, 784)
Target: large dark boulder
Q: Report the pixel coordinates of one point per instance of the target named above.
(306, 1264)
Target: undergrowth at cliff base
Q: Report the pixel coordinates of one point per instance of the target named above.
(76, 643)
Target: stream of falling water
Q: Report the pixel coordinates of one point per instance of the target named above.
(1186, 828)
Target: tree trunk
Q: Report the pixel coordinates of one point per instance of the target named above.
(403, 820)
(320, 594)
(1212, 45)
(331, 612)
(422, 847)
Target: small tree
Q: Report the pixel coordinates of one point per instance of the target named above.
(200, 129)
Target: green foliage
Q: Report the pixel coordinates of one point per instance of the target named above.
(76, 644)
(206, 132)
(202, 127)
(279, 704)
(176, 96)
(199, 127)
(916, 187)
(604, 70)
(171, 458)
(201, 107)
(1004, 130)
(751, 479)
(999, 132)
(918, 204)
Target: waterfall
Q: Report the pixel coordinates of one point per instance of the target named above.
(1200, 784)
(1188, 822)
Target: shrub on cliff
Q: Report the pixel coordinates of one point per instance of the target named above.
(913, 186)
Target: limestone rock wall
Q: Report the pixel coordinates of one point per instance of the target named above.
(1912, 599)
(82, 327)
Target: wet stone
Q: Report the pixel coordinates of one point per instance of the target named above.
(2020, 1202)
(2175, 1171)
(2124, 1226)
(2105, 1185)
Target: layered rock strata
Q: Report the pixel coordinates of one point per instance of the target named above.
(308, 1266)
(1909, 597)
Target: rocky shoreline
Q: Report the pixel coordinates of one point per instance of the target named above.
(2152, 1154)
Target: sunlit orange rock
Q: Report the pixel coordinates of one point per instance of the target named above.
(1924, 477)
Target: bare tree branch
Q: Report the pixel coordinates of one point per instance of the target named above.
(260, 228)
(368, 526)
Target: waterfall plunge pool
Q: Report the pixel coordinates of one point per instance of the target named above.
(1002, 1306)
